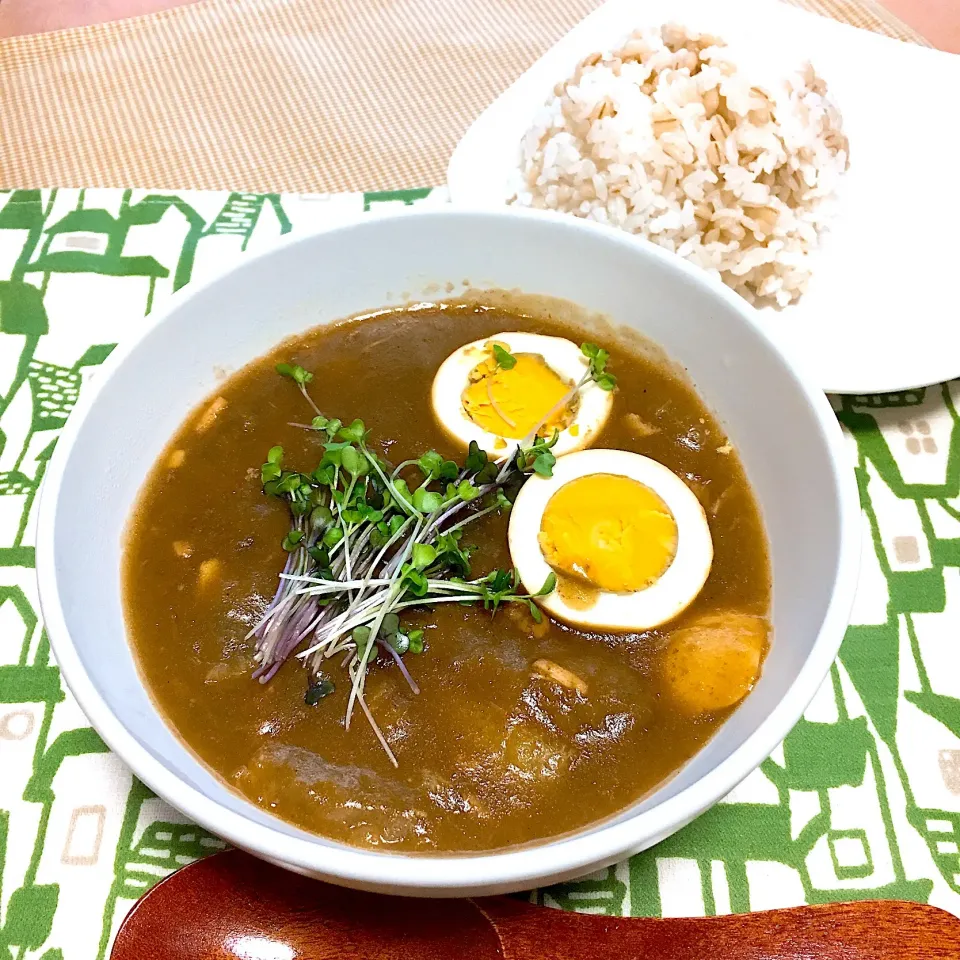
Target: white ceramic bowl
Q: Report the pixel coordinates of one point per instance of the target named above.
(782, 426)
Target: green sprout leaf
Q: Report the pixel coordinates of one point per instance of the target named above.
(598, 358)
(426, 501)
(320, 688)
(476, 458)
(319, 556)
(332, 456)
(324, 473)
(416, 641)
(292, 540)
(467, 491)
(423, 555)
(295, 373)
(320, 517)
(366, 650)
(352, 462)
(549, 585)
(451, 555)
(402, 490)
(400, 642)
(505, 360)
(289, 482)
(332, 537)
(414, 581)
(544, 463)
(430, 464)
(355, 433)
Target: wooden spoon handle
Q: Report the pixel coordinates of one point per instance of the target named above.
(865, 930)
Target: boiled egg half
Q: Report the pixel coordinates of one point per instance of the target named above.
(627, 539)
(477, 397)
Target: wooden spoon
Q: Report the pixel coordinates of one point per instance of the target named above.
(234, 906)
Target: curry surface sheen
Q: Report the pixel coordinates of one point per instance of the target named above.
(491, 753)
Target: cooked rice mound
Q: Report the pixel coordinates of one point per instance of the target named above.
(673, 138)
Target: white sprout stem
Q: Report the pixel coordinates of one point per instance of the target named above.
(460, 598)
(375, 629)
(343, 623)
(376, 730)
(406, 463)
(358, 682)
(432, 531)
(379, 558)
(379, 603)
(472, 518)
(309, 399)
(474, 586)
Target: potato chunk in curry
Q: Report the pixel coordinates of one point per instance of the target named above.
(714, 662)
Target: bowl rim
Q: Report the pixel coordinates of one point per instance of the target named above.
(461, 874)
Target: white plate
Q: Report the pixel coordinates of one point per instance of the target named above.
(881, 313)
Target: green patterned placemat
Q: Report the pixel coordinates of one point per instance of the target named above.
(861, 800)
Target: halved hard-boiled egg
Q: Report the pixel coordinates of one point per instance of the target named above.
(498, 391)
(627, 539)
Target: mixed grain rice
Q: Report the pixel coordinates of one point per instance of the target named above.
(672, 137)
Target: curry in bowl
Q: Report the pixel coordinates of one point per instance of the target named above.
(453, 577)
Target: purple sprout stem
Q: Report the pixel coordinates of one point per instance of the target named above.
(399, 660)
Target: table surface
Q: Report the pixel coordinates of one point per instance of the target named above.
(936, 20)
(279, 95)
(863, 797)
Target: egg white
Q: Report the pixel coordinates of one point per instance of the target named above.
(643, 609)
(563, 356)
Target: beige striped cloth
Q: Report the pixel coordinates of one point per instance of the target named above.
(307, 96)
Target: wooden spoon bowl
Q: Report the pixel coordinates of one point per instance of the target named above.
(234, 907)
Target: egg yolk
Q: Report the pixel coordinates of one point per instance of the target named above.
(610, 531)
(510, 403)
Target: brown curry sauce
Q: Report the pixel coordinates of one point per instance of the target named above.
(496, 750)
